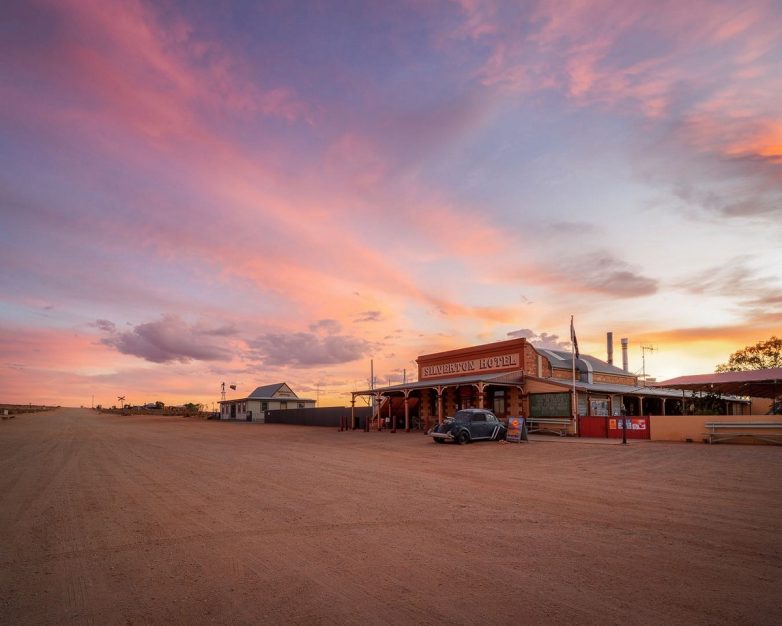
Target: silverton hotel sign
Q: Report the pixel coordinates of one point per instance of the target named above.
(474, 365)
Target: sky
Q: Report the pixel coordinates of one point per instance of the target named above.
(195, 192)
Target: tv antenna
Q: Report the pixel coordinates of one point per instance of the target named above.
(644, 349)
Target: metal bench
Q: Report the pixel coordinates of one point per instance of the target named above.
(549, 425)
(724, 431)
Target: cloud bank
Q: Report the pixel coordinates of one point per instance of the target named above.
(167, 340)
(306, 349)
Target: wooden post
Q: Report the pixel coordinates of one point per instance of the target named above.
(407, 410)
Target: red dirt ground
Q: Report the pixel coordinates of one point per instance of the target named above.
(123, 520)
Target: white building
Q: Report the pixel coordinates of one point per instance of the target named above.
(267, 398)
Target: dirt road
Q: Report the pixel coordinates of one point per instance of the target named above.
(126, 520)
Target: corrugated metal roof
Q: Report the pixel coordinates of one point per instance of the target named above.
(267, 391)
(562, 359)
(611, 388)
(765, 383)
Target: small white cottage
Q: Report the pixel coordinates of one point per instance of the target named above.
(267, 398)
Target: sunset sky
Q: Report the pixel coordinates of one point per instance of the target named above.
(199, 192)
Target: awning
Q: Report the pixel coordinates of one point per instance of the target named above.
(765, 383)
(505, 378)
(626, 390)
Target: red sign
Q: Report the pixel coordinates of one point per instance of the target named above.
(631, 423)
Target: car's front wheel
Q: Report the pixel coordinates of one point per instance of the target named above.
(463, 437)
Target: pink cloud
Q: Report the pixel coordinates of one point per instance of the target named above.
(174, 60)
(165, 70)
(168, 76)
(168, 339)
(574, 48)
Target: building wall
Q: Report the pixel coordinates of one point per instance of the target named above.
(562, 374)
(683, 427)
(513, 347)
(598, 377)
(760, 406)
(615, 379)
(256, 406)
(449, 402)
(515, 405)
(425, 410)
(530, 360)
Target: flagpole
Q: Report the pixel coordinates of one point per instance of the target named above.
(574, 403)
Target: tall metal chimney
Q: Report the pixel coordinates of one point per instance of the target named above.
(610, 347)
(625, 366)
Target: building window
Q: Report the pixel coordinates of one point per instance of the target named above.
(301, 405)
(264, 406)
(283, 405)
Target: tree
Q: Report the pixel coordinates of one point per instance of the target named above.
(192, 407)
(763, 355)
(706, 404)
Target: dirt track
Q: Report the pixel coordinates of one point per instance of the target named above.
(117, 520)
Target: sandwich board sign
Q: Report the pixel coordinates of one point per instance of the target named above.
(517, 430)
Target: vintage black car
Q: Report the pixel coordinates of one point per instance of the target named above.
(469, 425)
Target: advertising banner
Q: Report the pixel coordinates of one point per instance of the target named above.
(631, 423)
(517, 430)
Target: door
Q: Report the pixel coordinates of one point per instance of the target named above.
(493, 425)
(479, 427)
(592, 426)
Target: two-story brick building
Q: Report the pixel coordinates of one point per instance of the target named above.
(515, 378)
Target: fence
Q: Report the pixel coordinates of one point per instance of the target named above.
(326, 416)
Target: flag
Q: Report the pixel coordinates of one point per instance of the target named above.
(573, 339)
(233, 387)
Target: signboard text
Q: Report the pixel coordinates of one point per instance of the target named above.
(474, 365)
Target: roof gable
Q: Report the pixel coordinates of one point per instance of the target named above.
(278, 390)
